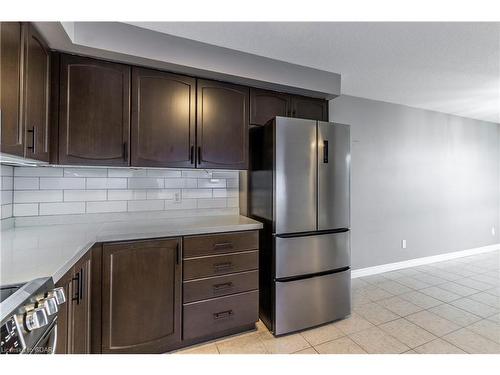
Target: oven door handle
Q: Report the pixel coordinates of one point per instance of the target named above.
(53, 339)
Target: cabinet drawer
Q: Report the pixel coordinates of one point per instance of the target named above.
(214, 244)
(220, 264)
(219, 286)
(220, 314)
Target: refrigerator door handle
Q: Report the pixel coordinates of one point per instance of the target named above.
(325, 151)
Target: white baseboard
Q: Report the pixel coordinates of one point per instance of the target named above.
(420, 261)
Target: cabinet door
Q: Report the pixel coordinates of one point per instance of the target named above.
(141, 298)
(163, 119)
(309, 108)
(64, 315)
(36, 95)
(222, 125)
(80, 307)
(264, 105)
(94, 116)
(11, 72)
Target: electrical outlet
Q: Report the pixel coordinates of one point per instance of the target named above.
(177, 197)
(403, 244)
(492, 231)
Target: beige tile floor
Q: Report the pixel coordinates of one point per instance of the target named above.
(445, 307)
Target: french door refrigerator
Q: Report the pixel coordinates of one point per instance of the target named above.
(299, 187)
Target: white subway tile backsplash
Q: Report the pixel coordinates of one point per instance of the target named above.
(162, 193)
(7, 183)
(38, 172)
(6, 211)
(106, 206)
(225, 174)
(51, 183)
(178, 183)
(7, 197)
(151, 205)
(6, 170)
(106, 183)
(146, 183)
(196, 193)
(127, 172)
(6, 188)
(225, 193)
(201, 173)
(232, 183)
(37, 191)
(212, 203)
(36, 196)
(26, 183)
(126, 195)
(185, 204)
(84, 195)
(211, 183)
(62, 208)
(163, 173)
(233, 202)
(85, 172)
(25, 209)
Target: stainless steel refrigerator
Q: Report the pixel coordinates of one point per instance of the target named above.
(299, 187)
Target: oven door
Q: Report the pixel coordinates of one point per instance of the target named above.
(47, 343)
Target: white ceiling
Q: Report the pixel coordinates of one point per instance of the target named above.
(447, 67)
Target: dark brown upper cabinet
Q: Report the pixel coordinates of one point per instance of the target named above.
(264, 105)
(222, 125)
(163, 119)
(309, 108)
(94, 113)
(11, 75)
(141, 296)
(36, 95)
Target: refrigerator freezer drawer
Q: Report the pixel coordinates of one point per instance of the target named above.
(312, 254)
(306, 303)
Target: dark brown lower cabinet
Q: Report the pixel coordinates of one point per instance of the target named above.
(130, 297)
(141, 296)
(74, 317)
(220, 291)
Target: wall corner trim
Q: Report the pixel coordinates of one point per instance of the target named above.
(420, 261)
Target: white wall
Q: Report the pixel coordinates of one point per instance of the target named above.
(427, 177)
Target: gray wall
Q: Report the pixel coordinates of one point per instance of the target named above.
(427, 177)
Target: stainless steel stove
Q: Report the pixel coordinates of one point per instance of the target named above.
(28, 315)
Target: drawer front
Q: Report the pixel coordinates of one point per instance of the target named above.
(312, 254)
(220, 314)
(219, 286)
(214, 244)
(313, 301)
(220, 265)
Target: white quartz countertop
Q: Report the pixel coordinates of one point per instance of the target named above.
(51, 250)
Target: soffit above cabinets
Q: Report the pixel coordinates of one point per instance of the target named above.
(138, 46)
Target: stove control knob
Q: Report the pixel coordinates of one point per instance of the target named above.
(58, 293)
(49, 304)
(36, 318)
